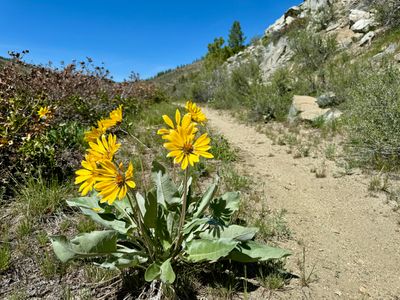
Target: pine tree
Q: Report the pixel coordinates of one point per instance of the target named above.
(236, 37)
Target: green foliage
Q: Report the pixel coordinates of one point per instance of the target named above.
(373, 113)
(143, 230)
(217, 54)
(40, 197)
(222, 150)
(388, 12)
(311, 51)
(77, 96)
(236, 37)
(5, 256)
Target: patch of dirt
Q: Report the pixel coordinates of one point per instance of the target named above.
(351, 237)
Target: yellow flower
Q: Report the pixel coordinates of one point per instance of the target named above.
(195, 112)
(95, 133)
(43, 112)
(185, 125)
(185, 149)
(87, 176)
(116, 115)
(113, 183)
(104, 148)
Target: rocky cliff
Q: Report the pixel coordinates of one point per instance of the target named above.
(351, 21)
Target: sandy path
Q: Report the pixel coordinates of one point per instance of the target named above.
(352, 238)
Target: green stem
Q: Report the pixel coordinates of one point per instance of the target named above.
(183, 213)
(141, 225)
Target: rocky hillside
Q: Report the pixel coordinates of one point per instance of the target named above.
(352, 22)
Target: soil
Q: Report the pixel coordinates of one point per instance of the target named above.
(351, 238)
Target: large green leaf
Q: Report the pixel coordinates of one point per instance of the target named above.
(90, 207)
(108, 220)
(205, 200)
(167, 192)
(152, 272)
(234, 232)
(148, 209)
(95, 243)
(210, 250)
(167, 273)
(252, 252)
(224, 207)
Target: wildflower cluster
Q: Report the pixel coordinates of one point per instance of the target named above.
(167, 227)
(100, 171)
(181, 137)
(103, 125)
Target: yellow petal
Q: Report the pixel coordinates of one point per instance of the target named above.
(168, 121)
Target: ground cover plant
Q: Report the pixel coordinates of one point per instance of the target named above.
(45, 110)
(169, 225)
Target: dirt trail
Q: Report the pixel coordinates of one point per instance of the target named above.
(352, 238)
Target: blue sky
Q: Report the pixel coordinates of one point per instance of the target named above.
(141, 36)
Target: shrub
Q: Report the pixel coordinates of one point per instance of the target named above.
(311, 51)
(75, 96)
(373, 113)
(388, 12)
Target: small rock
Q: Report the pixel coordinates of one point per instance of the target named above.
(339, 293)
(332, 114)
(326, 99)
(397, 57)
(363, 290)
(367, 38)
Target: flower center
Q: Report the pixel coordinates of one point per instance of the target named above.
(187, 148)
(120, 180)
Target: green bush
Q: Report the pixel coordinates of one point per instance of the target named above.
(311, 52)
(388, 12)
(373, 108)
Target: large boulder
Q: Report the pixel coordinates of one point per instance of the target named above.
(357, 15)
(363, 25)
(306, 108)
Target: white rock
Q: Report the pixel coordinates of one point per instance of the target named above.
(363, 25)
(314, 5)
(277, 26)
(397, 57)
(289, 20)
(367, 38)
(332, 114)
(274, 56)
(356, 15)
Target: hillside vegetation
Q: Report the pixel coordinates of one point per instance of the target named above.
(316, 51)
